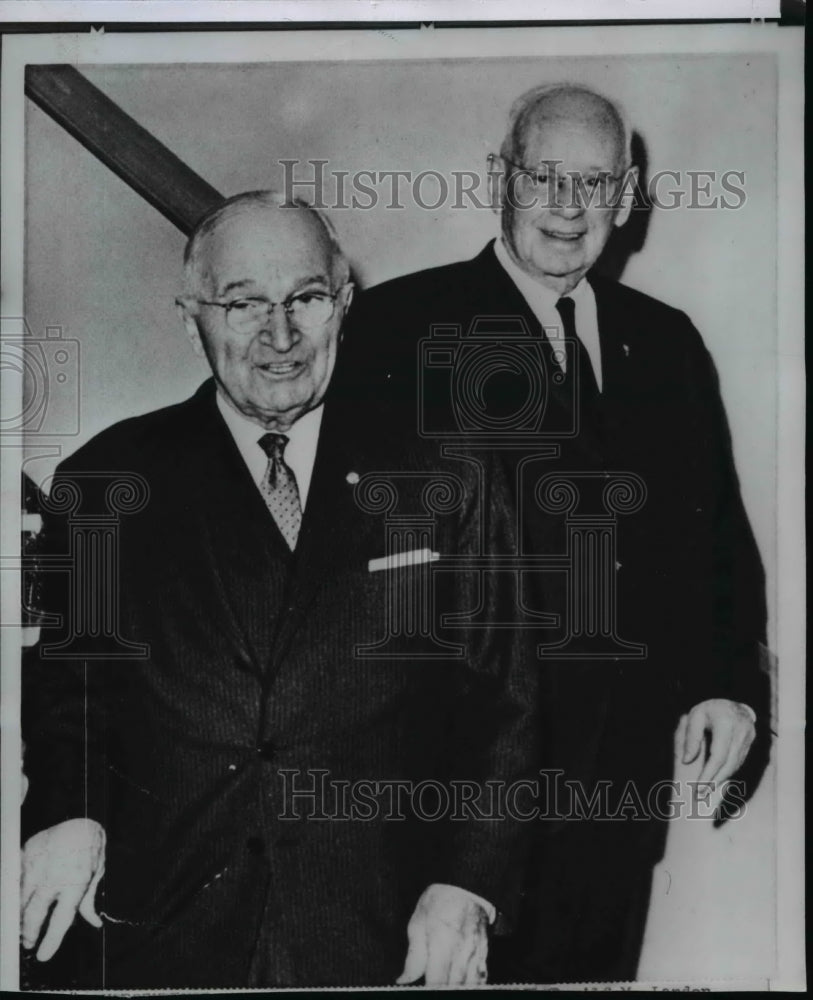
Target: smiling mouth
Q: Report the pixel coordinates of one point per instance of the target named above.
(564, 237)
(280, 369)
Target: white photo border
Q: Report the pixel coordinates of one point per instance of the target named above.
(327, 44)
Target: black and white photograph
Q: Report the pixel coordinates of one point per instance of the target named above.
(402, 515)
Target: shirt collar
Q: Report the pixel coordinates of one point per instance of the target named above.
(542, 303)
(300, 453)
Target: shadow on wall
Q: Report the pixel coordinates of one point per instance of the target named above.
(630, 238)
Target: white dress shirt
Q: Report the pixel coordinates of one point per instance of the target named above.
(542, 302)
(300, 452)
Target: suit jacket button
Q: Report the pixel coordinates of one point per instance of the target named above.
(255, 845)
(267, 750)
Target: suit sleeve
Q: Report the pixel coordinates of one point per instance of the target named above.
(62, 697)
(494, 732)
(737, 585)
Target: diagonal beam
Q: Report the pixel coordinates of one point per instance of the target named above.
(128, 149)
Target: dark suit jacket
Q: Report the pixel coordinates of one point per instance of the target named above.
(690, 582)
(252, 682)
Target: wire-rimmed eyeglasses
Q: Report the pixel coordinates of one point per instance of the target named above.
(592, 190)
(305, 310)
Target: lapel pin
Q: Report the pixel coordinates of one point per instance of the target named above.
(626, 349)
(352, 478)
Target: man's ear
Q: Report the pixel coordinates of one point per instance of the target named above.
(345, 299)
(626, 198)
(188, 313)
(496, 167)
(347, 295)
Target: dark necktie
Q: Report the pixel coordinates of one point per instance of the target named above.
(279, 489)
(580, 377)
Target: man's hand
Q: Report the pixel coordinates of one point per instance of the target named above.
(448, 943)
(63, 864)
(731, 731)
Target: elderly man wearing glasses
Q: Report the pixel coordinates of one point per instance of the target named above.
(650, 611)
(230, 798)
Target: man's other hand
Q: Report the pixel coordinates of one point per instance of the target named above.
(448, 940)
(730, 728)
(62, 865)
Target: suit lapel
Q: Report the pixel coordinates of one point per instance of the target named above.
(631, 386)
(613, 331)
(496, 294)
(247, 560)
(332, 524)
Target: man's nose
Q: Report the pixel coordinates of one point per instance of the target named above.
(276, 329)
(568, 200)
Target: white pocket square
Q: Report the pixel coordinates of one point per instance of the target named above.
(399, 559)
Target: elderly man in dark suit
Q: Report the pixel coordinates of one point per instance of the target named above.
(664, 625)
(219, 761)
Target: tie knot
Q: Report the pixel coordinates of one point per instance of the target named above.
(566, 308)
(273, 445)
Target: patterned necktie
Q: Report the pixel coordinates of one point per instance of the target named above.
(279, 489)
(582, 380)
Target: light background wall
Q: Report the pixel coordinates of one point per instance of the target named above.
(105, 267)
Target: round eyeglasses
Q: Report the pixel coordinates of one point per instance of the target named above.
(305, 310)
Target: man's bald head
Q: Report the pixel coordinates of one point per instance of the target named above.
(554, 104)
(291, 220)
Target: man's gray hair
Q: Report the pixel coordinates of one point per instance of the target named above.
(246, 202)
(526, 104)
